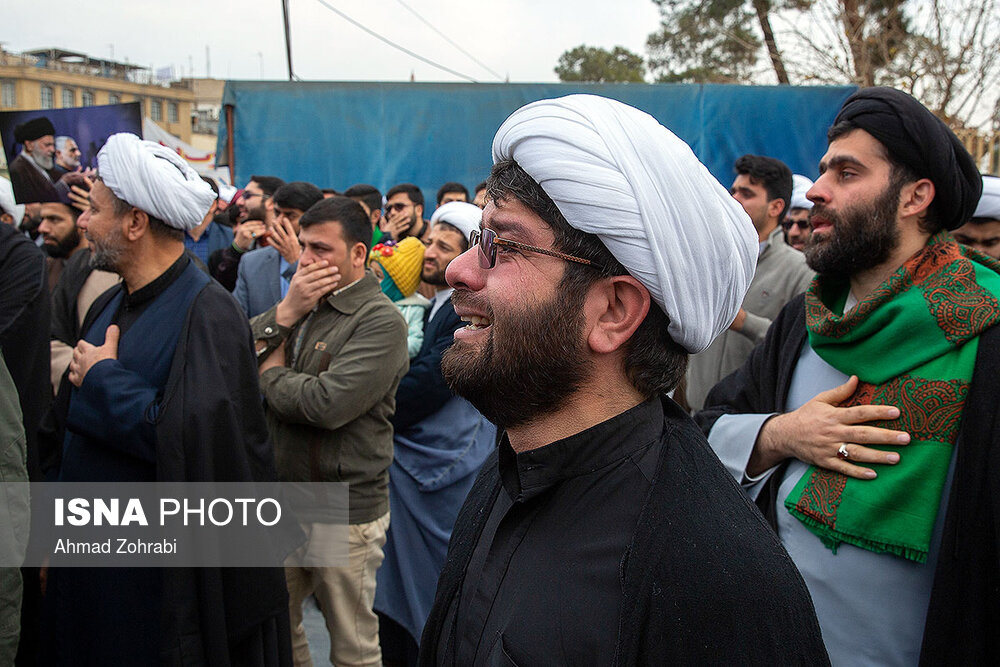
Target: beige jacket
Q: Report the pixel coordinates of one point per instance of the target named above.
(781, 274)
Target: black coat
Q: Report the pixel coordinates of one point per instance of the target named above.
(211, 428)
(704, 581)
(964, 612)
(25, 311)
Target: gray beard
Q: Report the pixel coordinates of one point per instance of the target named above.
(42, 159)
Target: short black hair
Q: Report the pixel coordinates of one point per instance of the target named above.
(369, 194)
(268, 184)
(773, 174)
(899, 174)
(329, 191)
(451, 186)
(481, 186)
(412, 191)
(354, 222)
(654, 362)
(298, 195)
(211, 184)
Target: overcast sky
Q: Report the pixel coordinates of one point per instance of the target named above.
(522, 39)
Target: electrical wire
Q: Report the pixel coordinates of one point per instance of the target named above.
(393, 44)
(450, 41)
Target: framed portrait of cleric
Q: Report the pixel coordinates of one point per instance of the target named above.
(44, 147)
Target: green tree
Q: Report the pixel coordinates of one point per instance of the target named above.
(716, 40)
(591, 63)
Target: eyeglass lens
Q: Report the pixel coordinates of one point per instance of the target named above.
(487, 248)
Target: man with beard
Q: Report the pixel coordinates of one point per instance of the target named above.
(865, 424)
(404, 213)
(60, 237)
(264, 275)
(67, 156)
(796, 223)
(440, 442)
(763, 187)
(603, 530)
(332, 352)
(164, 388)
(29, 171)
(254, 212)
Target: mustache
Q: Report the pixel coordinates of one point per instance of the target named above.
(463, 298)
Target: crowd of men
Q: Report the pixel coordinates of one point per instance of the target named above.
(507, 381)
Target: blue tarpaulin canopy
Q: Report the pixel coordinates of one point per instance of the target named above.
(336, 134)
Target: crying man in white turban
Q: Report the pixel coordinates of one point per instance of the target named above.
(603, 530)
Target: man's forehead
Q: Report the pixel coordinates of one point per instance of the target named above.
(55, 209)
(445, 232)
(856, 146)
(325, 231)
(747, 181)
(511, 216)
(401, 196)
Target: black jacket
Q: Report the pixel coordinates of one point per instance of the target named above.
(964, 612)
(704, 581)
(25, 311)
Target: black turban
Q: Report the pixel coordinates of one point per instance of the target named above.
(920, 140)
(36, 128)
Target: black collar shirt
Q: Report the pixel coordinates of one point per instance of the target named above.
(544, 585)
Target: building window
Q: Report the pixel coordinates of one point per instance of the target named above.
(172, 112)
(87, 98)
(68, 98)
(114, 99)
(156, 110)
(46, 97)
(7, 96)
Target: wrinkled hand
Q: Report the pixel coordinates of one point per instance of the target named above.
(286, 241)
(814, 433)
(307, 287)
(397, 224)
(244, 235)
(86, 355)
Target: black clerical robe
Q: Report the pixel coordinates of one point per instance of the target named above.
(625, 544)
(181, 403)
(29, 183)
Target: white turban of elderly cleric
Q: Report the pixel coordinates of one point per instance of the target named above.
(154, 179)
(615, 172)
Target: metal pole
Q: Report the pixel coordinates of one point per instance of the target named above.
(288, 38)
(230, 153)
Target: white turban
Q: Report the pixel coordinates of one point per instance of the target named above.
(154, 179)
(989, 203)
(614, 171)
(459, 214)
(800, 186)
(7, 204)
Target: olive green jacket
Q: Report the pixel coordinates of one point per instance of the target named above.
(14, 513)
(328, 409)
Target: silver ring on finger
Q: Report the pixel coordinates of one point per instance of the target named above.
(842, 453)
(253, 235)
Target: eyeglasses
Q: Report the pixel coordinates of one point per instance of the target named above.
(801, 224)
(250, 195)
(398, 206)
(487, 240)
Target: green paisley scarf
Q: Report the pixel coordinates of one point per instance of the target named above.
(912, 343)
